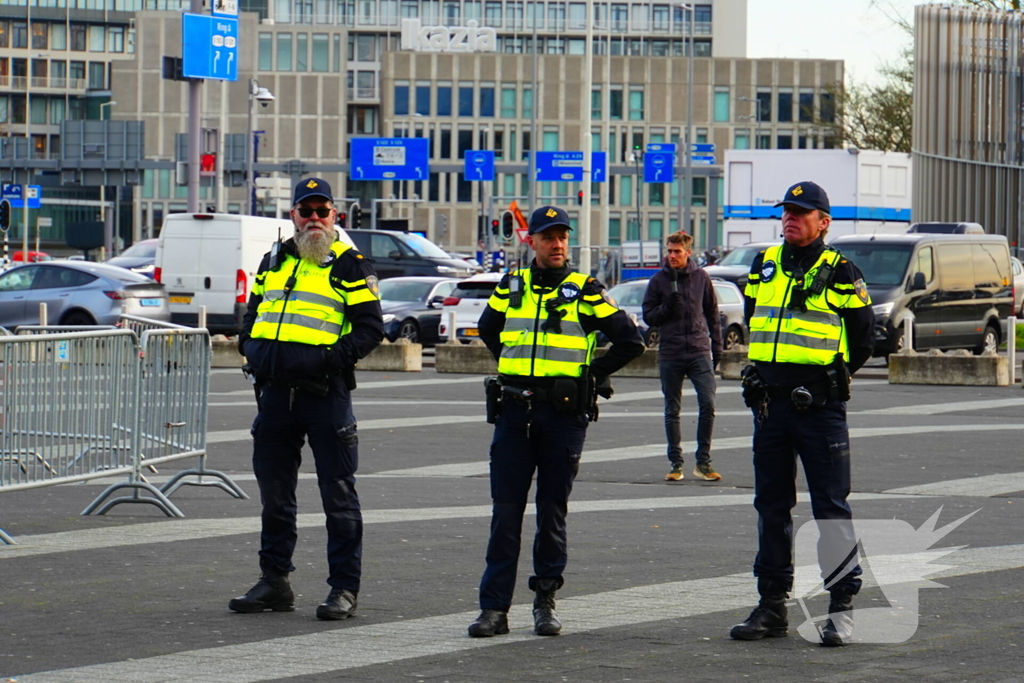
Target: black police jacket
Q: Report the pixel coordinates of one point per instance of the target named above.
(691, 328)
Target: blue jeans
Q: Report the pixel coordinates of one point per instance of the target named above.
(702, 375)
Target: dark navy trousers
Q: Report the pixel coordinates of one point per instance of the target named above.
(285, 420)
(820, 438)
(526, 441)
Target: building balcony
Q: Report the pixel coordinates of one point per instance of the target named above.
(43, 83)
(369, 95)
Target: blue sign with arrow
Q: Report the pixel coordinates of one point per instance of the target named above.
(559, 166)
(209, 47)
(390, 159)
(702, 148)
(11, 193)
(658, 167)
(703, 160)
(32, 193)
(479, 165)
(598, 167)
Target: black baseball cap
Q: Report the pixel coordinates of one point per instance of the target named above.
(312, 187)
(807, 195)
(546, 217)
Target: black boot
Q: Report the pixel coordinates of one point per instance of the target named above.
(270, 592)
(545, 623)
(340, 604)
(769, 618)
(838, 629)
(491, 622)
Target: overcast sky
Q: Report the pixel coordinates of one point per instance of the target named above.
(851, 30)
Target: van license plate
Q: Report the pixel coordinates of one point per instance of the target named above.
(151, 302)
(472, 332)
(180, 299)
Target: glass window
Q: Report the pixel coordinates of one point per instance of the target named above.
(97, 75)
(508, 103)
(550, 141)
(40, 35)
(444, 100)
(806, 114)
(742, 140)
(266, 51)
(401, 98)
(722, 106)
(465, 100)
(785, 141)
(365, 48)
(626, 190)
(702, 13)
(924, 264)
(615, 104)
(321, 53)
(284, 52)
(785, 106)
(19, 34)
(301, 51)
(39, 110)
(577, 15)
(78, 37)
(527, 103)
(5, 36)
(115, 39)
(656, 195)
(423, 99)
(486, 100)
(595, 104)
(492, 14)
(636, 105)
(700, 192)
(58, 37)
(77, 70)
(827, 103)
(446, 143)
(57, 110)
(764, 106)
(97, 38)
(614, 231)
(337, 52)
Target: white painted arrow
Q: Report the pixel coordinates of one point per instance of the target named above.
(419, 171)
(231, 58)
(657, 174)
(216, 57)
(360, 169)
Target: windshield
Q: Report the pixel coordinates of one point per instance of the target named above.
(145, 249)
(741, 256)
(403, 290)
(423, 246)
(883, 265)
(631, 294)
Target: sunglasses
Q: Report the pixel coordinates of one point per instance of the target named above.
(322, 212)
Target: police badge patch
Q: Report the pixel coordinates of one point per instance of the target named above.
(608, 298)
(371, 284)
(767, 271)
(862, 290)
(569, 291)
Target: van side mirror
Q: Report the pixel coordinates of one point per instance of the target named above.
(435, 301)
(394, 253)
(918, 284)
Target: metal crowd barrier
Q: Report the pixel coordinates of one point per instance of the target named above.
(90, 404)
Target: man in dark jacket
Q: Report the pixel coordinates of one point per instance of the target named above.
(314, 312)
(680, 302)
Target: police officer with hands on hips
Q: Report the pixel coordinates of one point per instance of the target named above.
(541, 325)
(314, 311)
(811, 327)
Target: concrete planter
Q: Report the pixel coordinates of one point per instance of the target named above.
(225, 354)
(402, 356)
(959, 367)
(471, 358)
(733, 361)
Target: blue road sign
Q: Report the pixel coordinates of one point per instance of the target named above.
(559, 166)
(658, 167)
(389, 159)
(209, 47)
(704, 160)
(702, 148)
(661, 147)
(34, 194)
(598, 167)
(479, 165)
(11, 193)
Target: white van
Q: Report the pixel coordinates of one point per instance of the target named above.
(211, 260)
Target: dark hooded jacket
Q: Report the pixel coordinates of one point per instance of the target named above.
(692, 326)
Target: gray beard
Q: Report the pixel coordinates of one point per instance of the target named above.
(314, 245)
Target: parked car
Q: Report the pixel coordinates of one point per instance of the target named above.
(1018, 286)
(735, 266)
(467, 300)
(139, 258)
(394, 254)
(412, 307)
(78, 293)
(630, 297)
(958, 288)
(33, 257)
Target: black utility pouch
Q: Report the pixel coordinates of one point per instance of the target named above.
(564, 393)
(492, 388)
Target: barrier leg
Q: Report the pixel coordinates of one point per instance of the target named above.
(7, 539)
(159, 499)
(221, 481)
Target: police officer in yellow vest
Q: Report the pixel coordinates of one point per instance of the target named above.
(811, 327)
(541, 325)
(314, 311)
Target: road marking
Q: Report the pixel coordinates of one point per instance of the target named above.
(386, 384)
(340, 649)
(984, 487)
(173, 530)
(939, 408)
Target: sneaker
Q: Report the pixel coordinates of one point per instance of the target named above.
(706, 472)
(676, 474)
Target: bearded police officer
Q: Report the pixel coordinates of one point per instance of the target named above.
(314, 312)
(540, 324)
(811, 327)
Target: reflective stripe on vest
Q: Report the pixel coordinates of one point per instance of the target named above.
(779, 334)
(312, 313)
(527, 350)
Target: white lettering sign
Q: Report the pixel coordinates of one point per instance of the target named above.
(468, 38)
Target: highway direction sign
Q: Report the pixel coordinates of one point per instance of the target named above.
(209, 47)
(598, 167)
(12, 192)
(390, 159)
(559, 166)
(34, 194)
(704, 160)
(658, 167)
(479, 165)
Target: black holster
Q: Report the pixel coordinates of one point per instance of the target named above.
(492, 389)
(838, 379)
(348, 375)
(754, 388)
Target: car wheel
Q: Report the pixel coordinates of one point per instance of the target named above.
(989, 341)
(653, 337)
(409, 330)
(77, 318)
(733, 337)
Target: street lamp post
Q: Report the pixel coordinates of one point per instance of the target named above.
(685, 197)
(635, 158)
(108, 234)
(265, 97)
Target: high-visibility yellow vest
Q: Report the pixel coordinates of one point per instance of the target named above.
(530, 351)
(312, 312)
(780, 334)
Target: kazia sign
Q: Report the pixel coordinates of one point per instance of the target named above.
(468, 38)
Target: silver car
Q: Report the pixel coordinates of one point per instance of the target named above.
(78, 293)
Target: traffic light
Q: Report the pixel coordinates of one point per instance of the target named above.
(507, 225)
(357, 215)
(494, 227)
(579, 198)
(342, 220)
(5, 215)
